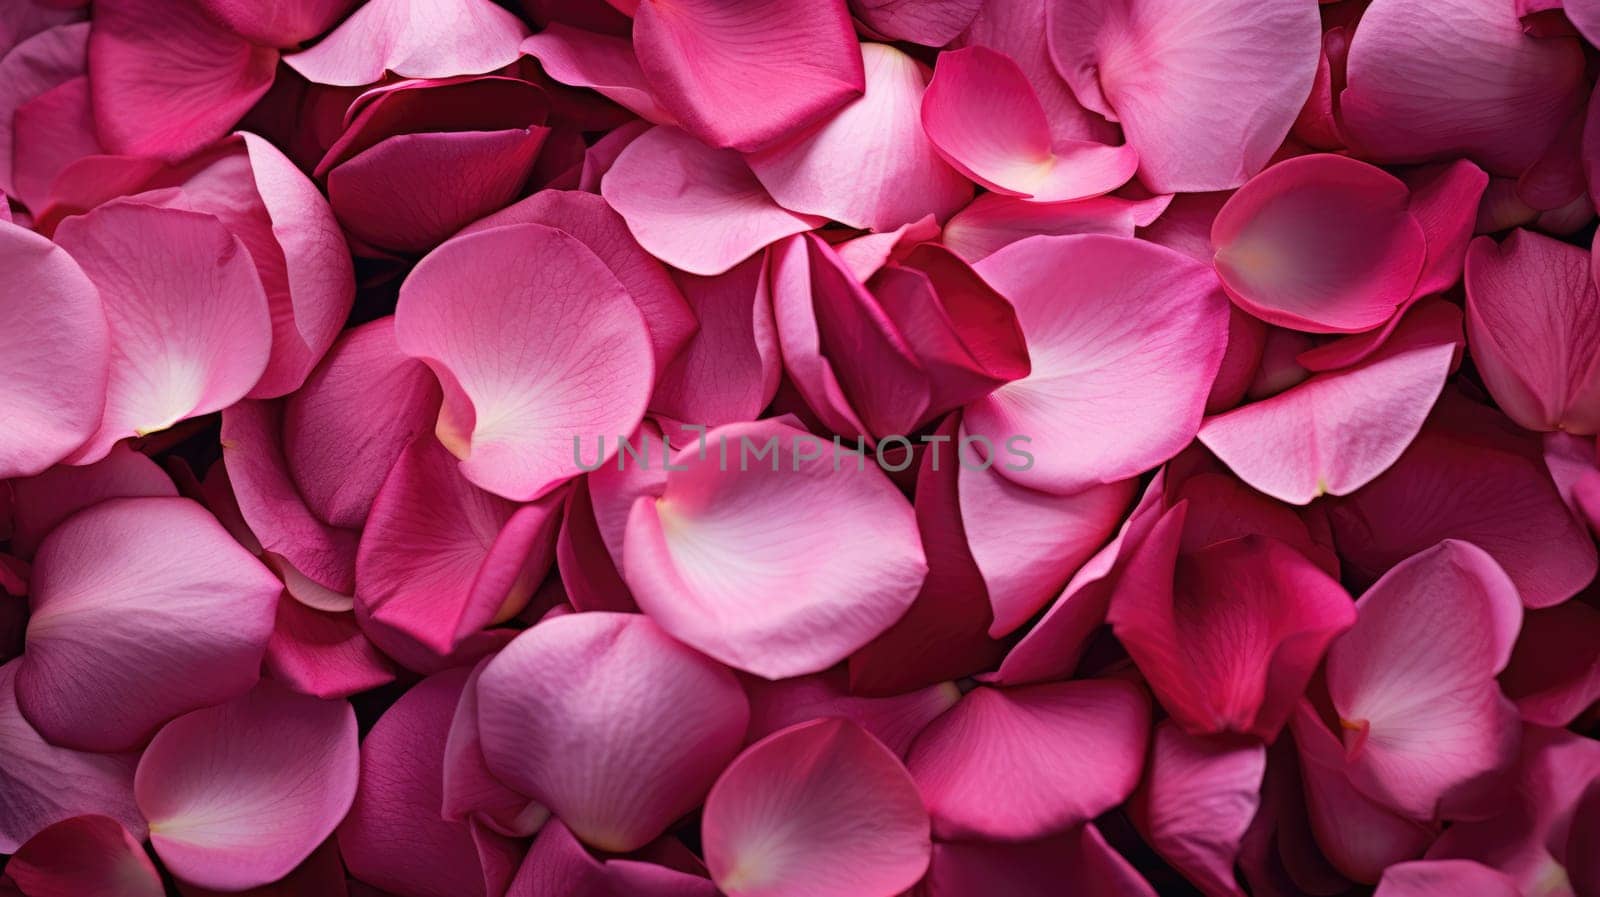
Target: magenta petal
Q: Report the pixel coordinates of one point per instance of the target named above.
(602, 62)
(239, 794)
(695, 207)
(277, 24)
(45, 784)
(52, 131)
(81, 856)
(413, 39)
(983, 116)
(1080, 861)
(168, 79)
(1445, 878)
(1416, 93)
(828, 552)
(1553, 675)
(748, 75)
(54, 345)
(36, 65)
(470, 789)
(993, 221)
(1022, 763)
(820, 809)
(525, 381)
(1229, 637)
(1413, 680)
(1196, 802)
(730, 368)
(1320, 243)
(323, 654)
(189, 322)
(152, 610)
(45, 500)
(557, 865)
(1119, 380)
(1533, 320)
(869, 165)
(1445, 200)
(1339, 430)
(894, 720)
(932, 24)
(1175, 73)
(441, 559)
(607, 721)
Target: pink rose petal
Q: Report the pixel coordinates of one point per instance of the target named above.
(413, 39)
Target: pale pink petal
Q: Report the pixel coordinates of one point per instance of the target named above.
(1413, 681)
(695, 207)
(1533, 322)
(441, 559)
(1494, 493)
(277, 24)
(982, 115)
(1320, 243)
(1119, 379)
(413, 39)
(607, 721)
(469, 787)
(730, 368)
(36, 65)
(1416, 93)
(345, 428)
(47, 499)
(53, 354)
(1021, 763)
(932, 24)
(188, 318)
(525, 380)
(586, 216)
(601, 62)
(820, 809)
(1079, 861)
(557, 865)
(749, 74)
(81, 856)
(1359, 836)
(993, 220)
(143, 608)
(1554, 676)
(1027, 543)
(894, 720)
(869, 164)
(239, 794)
(1177, 73)
(323, 654)
(827, 552)
(1339, 430)
(1445, 878)
(1227, 636)
(168, 79)
(394, 837)
(1196, 803)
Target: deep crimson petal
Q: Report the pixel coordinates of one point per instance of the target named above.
(84, 855)
(894, 720)
(1553, 676)
(1079, 860)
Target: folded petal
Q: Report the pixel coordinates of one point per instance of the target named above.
(84, 855)
(1176, 73)
(869, 165)
(239, 794)
(583, 561)
(345, 428)
(1119, 380)
(470, 789)
(413, 39)
(729, 369)
(1445, 200)
(1228, 636)
(441, 559)
(143, 608)
(1339, 430)
(1196, 803)
(394, 837)
(1021, 763)
(168, 79)
(55, 347)
(1552, 676)
(1027, 543)
(607, 721)
(982, 115)
(820, 809)
(1533, 320)
(1320, 243)
(525, 380)
(695, 207)
(46, 784)
(323, 654)
(189, 325)
(1451, 484)
(1079, 860)
(601, 62)
(747, 75)
(894, 720)
(1415, 91)
(1413, 680)
(993, 220)
(558, 865)
(827, 556)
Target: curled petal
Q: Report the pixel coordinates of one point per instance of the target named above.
(602, 62)
(413, 39)
(470, 789)
(993, 221)
(84, 855)
(323, 654)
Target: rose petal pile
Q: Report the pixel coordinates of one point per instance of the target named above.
(799, 448)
